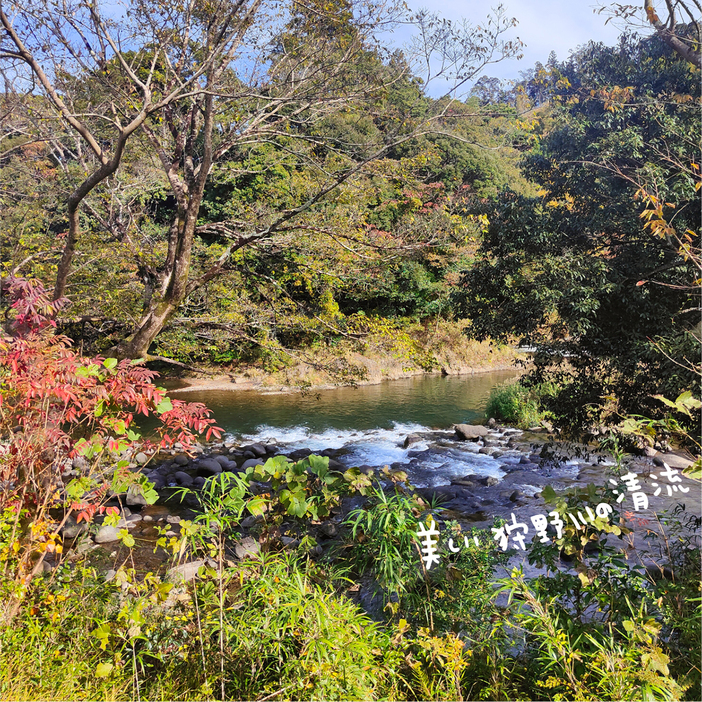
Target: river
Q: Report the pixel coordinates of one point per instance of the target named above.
(366, 424)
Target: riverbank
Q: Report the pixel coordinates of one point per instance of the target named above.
(446, 351)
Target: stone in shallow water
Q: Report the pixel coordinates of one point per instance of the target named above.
(411, 439)
(107, 534)
(251, 463)
(183, 479)
(209, 466)
(470, 432)
(672, 459)
(258, 449)
(135, 497)
(72, 529)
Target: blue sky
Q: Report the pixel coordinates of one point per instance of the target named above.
(544, 25)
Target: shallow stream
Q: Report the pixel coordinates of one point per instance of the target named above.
(367, 424)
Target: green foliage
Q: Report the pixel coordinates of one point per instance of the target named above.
(598, 270)
(584, 662)
(384, 538)
(678, 426)
(306, 488)
(519, 404)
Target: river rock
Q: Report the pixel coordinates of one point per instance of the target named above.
(184, 479)
(329, 529)
(185, 572)
(209, 466)
(141, 458)
(181, 460)
(246, 547)
(107, 534)
(198, 482)
(411, 439)
(470, 432)
(80, 463)
(673, 460)
(258, 449)
(71, 528)
(135, 497)
(158, 480)
(466, 481)
(251, 463)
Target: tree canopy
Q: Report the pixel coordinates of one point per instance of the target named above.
(598, 271)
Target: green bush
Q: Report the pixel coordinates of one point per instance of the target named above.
(517, 404)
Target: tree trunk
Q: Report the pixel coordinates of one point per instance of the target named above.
(137, 346)
(174, 277)
(69, 248)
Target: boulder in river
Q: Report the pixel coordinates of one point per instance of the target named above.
(184, 479)
(470, 432)
(107, 534)
(258, 449)
(135, 497)
(411, 439)
(672, 460)
(208, 467)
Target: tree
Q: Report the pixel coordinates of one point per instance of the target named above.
(200, 85)
(599, 272)
(56, 406)
(681, 28)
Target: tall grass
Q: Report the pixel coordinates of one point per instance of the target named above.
(516, 404)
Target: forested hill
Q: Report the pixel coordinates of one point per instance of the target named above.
(323, 197)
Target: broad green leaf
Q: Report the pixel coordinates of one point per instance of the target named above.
(102, 670)
(257, 506)
(112, 519)
(319, 464)
(110, 363)
(549, 494)
(126, 538)
(77, 487)
(164, 406)
(297, 506)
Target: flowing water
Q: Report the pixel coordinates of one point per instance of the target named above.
(367, 424)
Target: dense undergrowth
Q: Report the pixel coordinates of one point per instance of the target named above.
(288, 622)
(284, 626)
